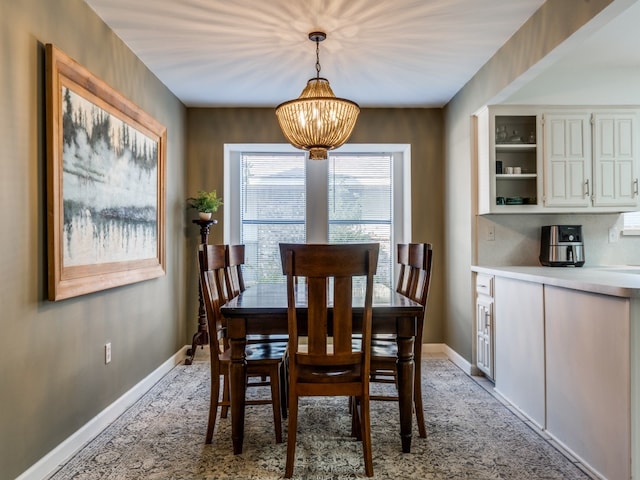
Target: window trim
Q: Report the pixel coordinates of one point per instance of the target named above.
(401, 153)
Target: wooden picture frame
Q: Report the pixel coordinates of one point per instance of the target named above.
(105, 184)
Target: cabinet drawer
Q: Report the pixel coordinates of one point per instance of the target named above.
(484, 284)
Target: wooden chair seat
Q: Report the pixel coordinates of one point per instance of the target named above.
(260, 352)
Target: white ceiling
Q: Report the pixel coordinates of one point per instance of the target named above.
(256, 53)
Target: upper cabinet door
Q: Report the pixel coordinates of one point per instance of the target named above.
(567, 160)
(615, 159)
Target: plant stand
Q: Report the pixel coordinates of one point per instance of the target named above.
(201, 337)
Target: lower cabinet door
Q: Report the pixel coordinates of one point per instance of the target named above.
(519, 346)
(588, 378)
(484, 335)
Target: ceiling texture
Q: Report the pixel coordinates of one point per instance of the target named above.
(256, 53)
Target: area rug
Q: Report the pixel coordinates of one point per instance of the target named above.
(471, 436)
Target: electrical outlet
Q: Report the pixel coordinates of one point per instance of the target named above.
(614, 235)
(491, 233)
(107, 353)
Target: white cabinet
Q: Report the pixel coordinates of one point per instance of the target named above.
(567, 160)
(588, 377)
(508, 160)
(544, 159)
(569, 360)
(519, 346)
(615, 159)
(484, 324)
(591, 160)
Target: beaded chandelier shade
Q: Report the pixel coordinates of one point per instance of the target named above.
(317, 121)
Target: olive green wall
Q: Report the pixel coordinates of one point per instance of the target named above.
(53, 379)
(209, 129)
(553, 23)
(51, 354)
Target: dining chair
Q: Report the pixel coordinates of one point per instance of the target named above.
(402, 286)
(215, 258)
(384, 351)
(234, 285)
(329, 365)
(262, 359)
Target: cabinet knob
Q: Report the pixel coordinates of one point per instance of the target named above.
(635, 188)
(586, 185)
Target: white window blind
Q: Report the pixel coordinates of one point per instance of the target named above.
(273, 196)
(272, 210)
(360, 204)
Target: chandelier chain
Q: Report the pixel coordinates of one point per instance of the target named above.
(317, 58)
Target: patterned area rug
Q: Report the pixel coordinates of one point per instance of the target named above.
(470, 436)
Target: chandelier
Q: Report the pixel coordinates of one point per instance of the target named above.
(317, 121)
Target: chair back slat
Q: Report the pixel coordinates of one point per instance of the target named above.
(342, 309)
(317, 316)
(416, 262)
(403, 276)
(234, 280)
(420, 260)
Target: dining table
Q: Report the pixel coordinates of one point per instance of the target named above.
(261, 309)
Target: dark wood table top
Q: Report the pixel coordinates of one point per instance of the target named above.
(271, 298)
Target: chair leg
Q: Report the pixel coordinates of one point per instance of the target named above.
(291, 434)
(365, 421)
(213, 405)
(284, 381)
(417, 399)
(356, 425)
(275, 400)
(225, 396)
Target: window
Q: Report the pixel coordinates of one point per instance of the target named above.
(631, 225)
(274, 194)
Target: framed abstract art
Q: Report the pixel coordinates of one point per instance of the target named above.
(105, 184)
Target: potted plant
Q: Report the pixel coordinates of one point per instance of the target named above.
(205, 203)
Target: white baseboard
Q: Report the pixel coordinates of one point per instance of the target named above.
(459, 360)
(450, 353)
(48, 464)
(431, 348)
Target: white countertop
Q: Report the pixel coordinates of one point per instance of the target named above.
(616, 280)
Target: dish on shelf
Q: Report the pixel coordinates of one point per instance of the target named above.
(515, 200)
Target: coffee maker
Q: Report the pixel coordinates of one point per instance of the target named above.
(562, 246)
